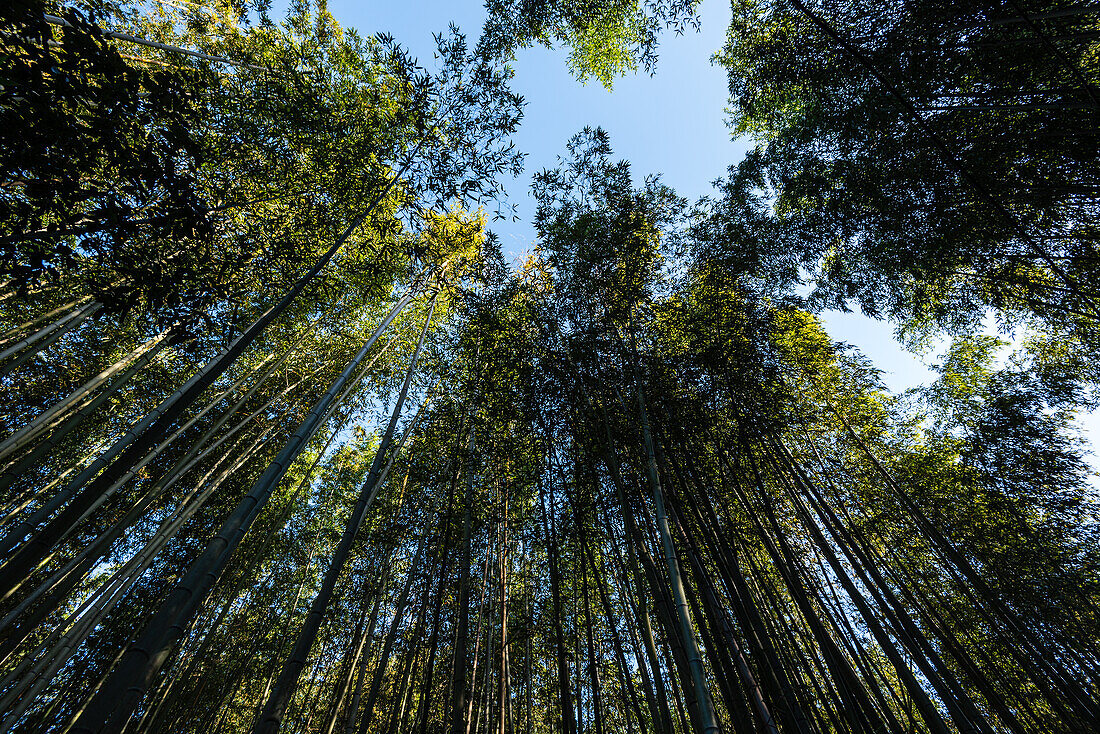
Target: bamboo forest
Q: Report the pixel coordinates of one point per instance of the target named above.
(291, 442)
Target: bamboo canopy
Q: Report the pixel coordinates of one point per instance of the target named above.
(287, 446)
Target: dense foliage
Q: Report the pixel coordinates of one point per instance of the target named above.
(928, 161)
(606, 38)
(287, 446)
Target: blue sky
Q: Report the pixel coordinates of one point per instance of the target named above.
(672, 123)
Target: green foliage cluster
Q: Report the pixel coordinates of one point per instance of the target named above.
(606, 39)
(925, 161)
(287, 446)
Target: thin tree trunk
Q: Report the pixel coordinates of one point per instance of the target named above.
(387, 647)
(16, 332)
(275, 707)
(459, 701)
(87, 487)
(708, 723)
(122, 693)
(45, 337)
(55, 413)
(569, 725)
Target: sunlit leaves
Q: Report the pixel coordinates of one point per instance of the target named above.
(606, 40)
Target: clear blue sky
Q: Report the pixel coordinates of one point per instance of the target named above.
(672, 123)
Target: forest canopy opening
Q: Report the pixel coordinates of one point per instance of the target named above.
(286, 445)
